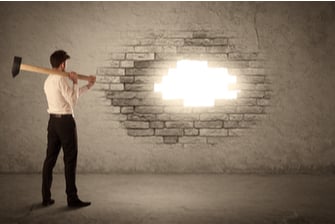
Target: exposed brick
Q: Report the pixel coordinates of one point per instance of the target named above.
(127, 79)
(169, 42)
(156, 124)
(251, 94)
(149, 109)
(145, 49)
(127, 64)
(142, 117)
(121, 49)
(250, 79)
(245, 56)
(191, 131)
(250, 109)
(191, 49)
(206, 42)
(249, 117)
(179, 124)
(138, 87)
(134, 102)
(123, 94)
(169, 132)
(146, 71)
(140, 132)
(155, 64)
(136, 124)
(231, 124)
(114, 64)
(235, 117)
(110, 71)
(186, 117)
(208, 124)
(246, 101)
(114, 110)
(140, 56)
(164, 117)
(101, 86)
(223, 109)
(170, 139)
(219, 49)
(107, 79)
(213, 116)
(247, 124)
(228, 64)
(192, 140)
(116, 87)
(127, 110)
(213, 132)
(236, 132)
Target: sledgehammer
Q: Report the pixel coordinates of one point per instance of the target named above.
(17, 66)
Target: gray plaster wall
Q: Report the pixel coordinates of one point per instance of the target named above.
(297, 135)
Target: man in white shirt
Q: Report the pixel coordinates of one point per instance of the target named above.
(62, 132)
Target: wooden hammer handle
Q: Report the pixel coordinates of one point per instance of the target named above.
(48, 71)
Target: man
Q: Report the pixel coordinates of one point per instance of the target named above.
(62, 132)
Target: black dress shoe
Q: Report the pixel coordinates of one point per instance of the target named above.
(48, 202)
(78, 203)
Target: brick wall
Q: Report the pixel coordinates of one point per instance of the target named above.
(143, 58)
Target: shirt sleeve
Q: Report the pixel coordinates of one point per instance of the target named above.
(70, 94)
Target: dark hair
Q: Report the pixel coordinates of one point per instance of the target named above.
(58, 57)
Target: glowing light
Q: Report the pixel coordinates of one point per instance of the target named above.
(197, 84)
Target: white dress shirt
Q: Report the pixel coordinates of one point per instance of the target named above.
(60, 96)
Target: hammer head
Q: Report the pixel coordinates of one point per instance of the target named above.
(16, 66)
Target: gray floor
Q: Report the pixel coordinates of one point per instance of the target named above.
(174, 199)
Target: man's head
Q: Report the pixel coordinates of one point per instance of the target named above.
(58, 59)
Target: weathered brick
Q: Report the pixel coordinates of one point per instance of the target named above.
(136, 124)
(249, 117)
(146, 71)
(127, 64)
(127, 79)
(208, 124)
(191, 49)
(213, 116)
(169, 42)
(219, 49)
(140, 132)
(149, 109)
(114, 110)
(156, 124)
(158, 49)
(110, 71)
(192, 140)
(231, 124)
(228, 64)
(251, 94)
(235, 117)
(155, 64)
(170, 139)
(245, 56)
(236, 132)
(246, 101)
(213, 132)
(121, 49)
(138, 87)
(169, 132)
(134, 102)
(164, 117)
(101, 86)
(142, 117)
(127, 110)
(222, 109)
(250, 109)
(140, 56)
(185, 117)
(116, 87)
(247, 124)
(107, 79)
(179, 124)
(121, 94)
(191, 131)
(114, 64)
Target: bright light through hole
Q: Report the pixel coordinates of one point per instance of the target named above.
(197, 84)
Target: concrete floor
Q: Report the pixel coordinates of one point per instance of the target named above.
(173, 199)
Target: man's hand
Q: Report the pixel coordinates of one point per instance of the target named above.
(91, 81)
(74, 77)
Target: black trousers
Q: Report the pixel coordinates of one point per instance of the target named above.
(62, 133)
